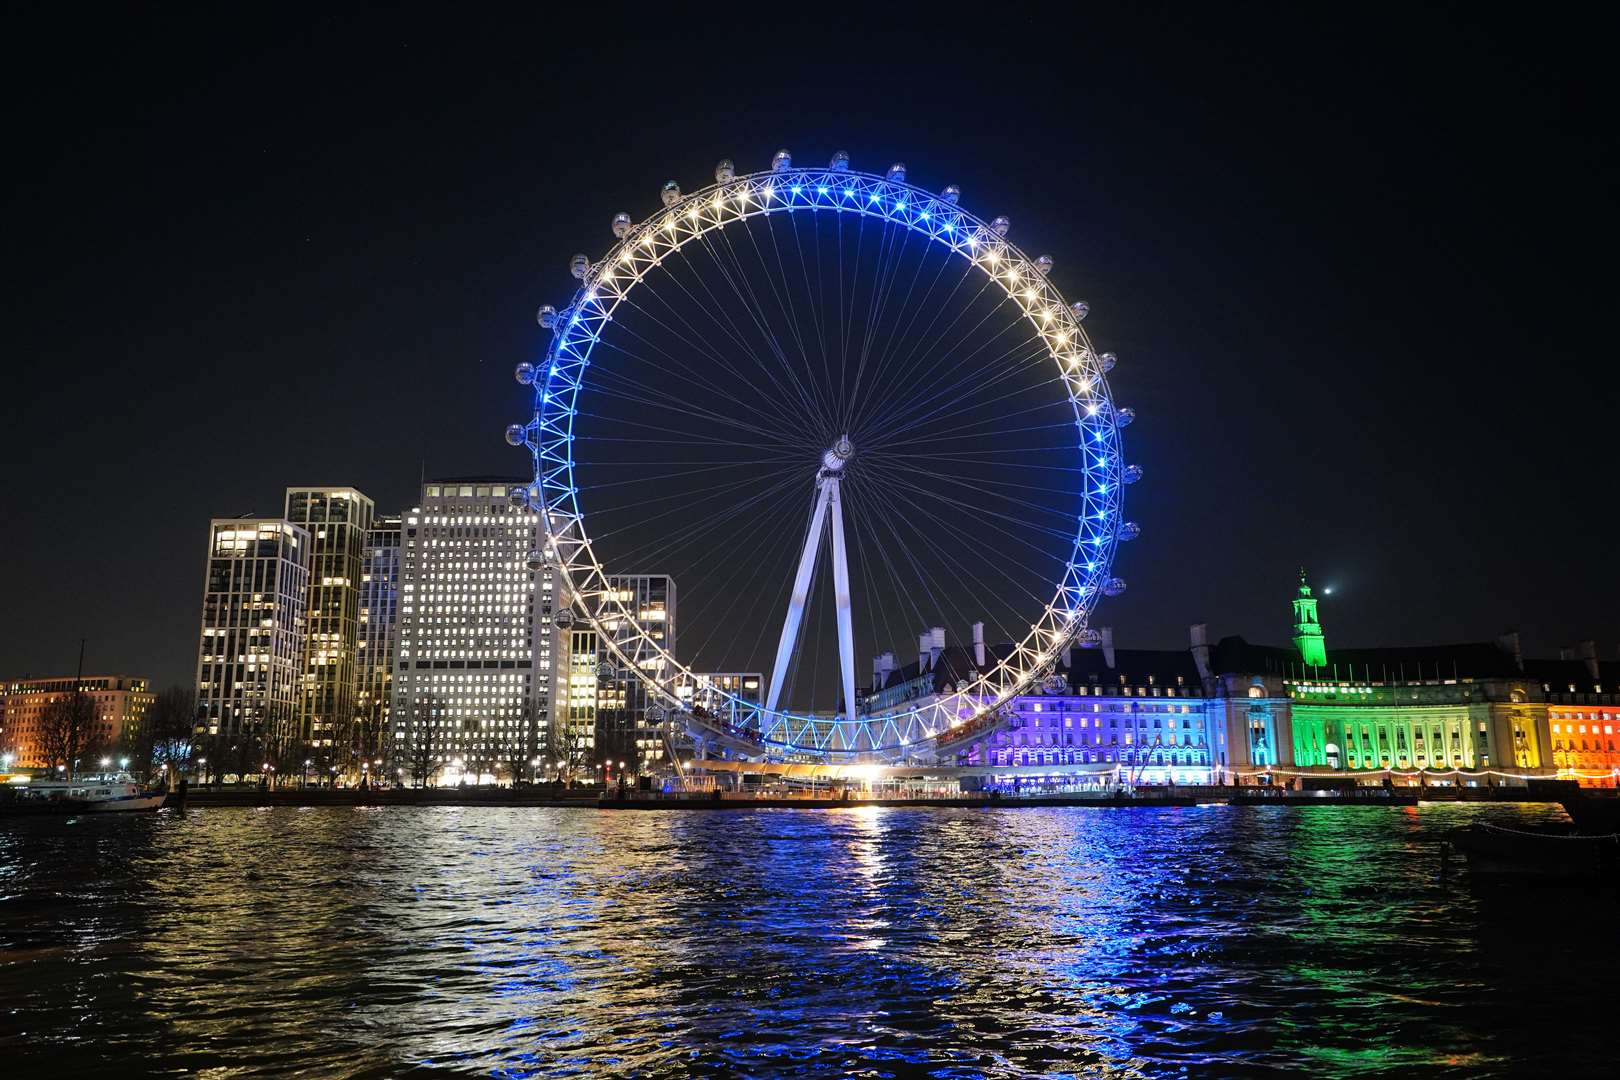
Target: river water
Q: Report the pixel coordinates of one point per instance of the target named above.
(511, 942)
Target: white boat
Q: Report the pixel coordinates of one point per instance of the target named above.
(94, 794)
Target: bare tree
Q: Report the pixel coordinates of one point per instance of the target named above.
(368, 737)
(246, 753)
(174, 742)
(162, 739)
(517, 763)
(423, 748)
(67, 731)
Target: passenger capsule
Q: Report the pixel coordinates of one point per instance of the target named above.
(1044, 264)
(518, 497)
(1107, 360)
(563, 619)
(1000, 225)
(1123, 417)
(622, 224)
(725, 171)
(671, 193)
(1115, 587)
(515, 434)
(781, 160)
(579, 266)
(951, 193)
(1133, 473)
(1089, 638)
(536, 560)
(524, 373)
(897, 172)
(546, 316)
(839, 162)
(1081, 309)
(1130, 530)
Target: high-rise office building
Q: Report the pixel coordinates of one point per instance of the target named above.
(251, 653)
(622, 698)
(722, 692)
(473, 662)
(576, 696)
(379, 610)
(337, 519)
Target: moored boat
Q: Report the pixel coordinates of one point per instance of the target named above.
(1494, 850)
(88, 795)
(1593, 812)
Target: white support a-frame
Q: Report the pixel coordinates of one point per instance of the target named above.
(828, 505)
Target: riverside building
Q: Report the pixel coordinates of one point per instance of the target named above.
(251, 652)
(1231, 711)
(118, 702)
(1583, 714)
(605, 716)
(726, 693)
(473, 674)
(337, 520)
(379, 611)
(623, 732)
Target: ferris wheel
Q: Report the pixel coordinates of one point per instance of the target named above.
(838, 409)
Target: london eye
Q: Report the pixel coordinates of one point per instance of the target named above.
(848, 415)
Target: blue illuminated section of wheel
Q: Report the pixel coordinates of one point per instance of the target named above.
(688, 218)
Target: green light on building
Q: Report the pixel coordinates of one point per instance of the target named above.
(1307, 629)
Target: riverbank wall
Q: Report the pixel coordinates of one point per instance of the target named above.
(595, 798)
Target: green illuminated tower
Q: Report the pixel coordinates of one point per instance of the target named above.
(1307, 630)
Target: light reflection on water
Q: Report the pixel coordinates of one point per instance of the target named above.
(518, 942)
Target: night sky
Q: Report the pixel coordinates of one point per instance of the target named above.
(1344, 265)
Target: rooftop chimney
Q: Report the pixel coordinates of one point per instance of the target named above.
(882, 668)
(978, 645)
(1588, 654)
(924, 640)
(1108, 645)
(1198, 634)
(1509, 643)
(936, 644)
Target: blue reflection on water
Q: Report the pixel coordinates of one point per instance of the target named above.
(524, 942)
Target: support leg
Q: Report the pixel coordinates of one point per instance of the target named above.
(795, 612)
(846, 629)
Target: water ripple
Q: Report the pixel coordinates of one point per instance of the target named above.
(865, 942)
